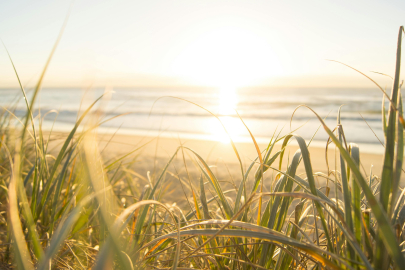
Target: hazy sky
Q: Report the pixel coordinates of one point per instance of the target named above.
(137, 43)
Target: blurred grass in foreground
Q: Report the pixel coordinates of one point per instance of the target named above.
(70, 208)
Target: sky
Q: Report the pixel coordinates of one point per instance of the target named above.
(124, 43)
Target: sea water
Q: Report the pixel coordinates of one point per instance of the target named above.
(188, 112)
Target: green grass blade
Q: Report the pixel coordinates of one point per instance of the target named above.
(355, 192)
(98, 182)
(62, 232)
(280, 206)
(384, 227)
(215, 184)
(399, 156)
(311, 181)
(142, 218)
(345, 186)
(203, 199)
(387, 176)
(21, 253)
(288, 188)
(389, 154)
(61, 154)
(283, 147)
(58, 190)
(267, 163)
(260, 171)
(384, 117)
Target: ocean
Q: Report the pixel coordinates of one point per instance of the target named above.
(170, 112)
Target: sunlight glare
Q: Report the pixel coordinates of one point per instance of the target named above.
(231, 124)
(227, 103)
(228, 99)
(231, 54)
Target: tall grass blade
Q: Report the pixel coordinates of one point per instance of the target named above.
(215, 184)
(311, 181)
(279, 206)
(21, 192)
(387, 176)
(347, 196)
(355, 192)
(61, 154)
(384, 227)
(106, 199)
(21, 253)
(399, 156)
(203, 199)
(63, 231)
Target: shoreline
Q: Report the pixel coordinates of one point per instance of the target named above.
(369, 148)
(163, 147)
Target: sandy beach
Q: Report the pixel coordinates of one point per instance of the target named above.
(212, 152)
(154, 152)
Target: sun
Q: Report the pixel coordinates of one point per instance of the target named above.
(227, 56)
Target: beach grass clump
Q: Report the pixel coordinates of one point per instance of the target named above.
(61, 204)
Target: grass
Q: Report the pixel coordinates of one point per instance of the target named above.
(62, 208)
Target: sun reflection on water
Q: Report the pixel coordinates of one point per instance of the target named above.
(227, 103)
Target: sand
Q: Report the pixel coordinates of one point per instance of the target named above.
(151, 154)
(213, 152)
